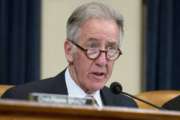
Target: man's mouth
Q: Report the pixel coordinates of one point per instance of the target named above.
(98, 75)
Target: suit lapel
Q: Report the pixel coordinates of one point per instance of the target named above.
(106, 96)
(59, 84)
(61, 88)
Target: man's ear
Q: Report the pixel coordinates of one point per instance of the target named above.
(68, 48)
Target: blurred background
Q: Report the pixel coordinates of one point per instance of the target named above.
(32, 34)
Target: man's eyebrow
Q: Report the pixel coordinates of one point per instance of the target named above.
(92, 39)
(112, 43)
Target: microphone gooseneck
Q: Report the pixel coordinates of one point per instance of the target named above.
(116, 88)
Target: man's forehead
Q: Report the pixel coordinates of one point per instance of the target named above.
(107, 41)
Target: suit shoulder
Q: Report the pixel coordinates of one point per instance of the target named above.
(117, 99)
(49, 85)
(173, 104)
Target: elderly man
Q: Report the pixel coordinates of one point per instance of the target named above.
(94, 34)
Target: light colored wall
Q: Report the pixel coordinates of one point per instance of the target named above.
(127, 69)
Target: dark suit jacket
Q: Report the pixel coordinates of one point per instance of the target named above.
(173, 104)
(57, 85)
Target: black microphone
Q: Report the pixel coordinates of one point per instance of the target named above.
(116, 88)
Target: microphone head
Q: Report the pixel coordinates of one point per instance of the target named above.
(116, 87)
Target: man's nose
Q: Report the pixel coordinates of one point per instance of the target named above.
(102, 60)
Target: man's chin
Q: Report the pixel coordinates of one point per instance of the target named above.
(95, 88)
(97, 78)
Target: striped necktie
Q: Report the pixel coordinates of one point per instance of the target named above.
(91, 100)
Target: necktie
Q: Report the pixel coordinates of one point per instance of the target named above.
(91, 100)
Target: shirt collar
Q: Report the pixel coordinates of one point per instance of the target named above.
(75, 91)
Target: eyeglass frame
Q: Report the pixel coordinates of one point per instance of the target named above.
(100, 51)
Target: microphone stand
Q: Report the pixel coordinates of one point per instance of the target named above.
(148, 103)
(116, 88)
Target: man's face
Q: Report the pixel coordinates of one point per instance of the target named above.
(92, 75)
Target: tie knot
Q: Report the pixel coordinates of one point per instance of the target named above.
(91, 100)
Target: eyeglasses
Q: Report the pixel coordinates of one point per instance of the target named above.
(94, 53)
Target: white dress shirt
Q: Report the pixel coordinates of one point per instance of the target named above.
(75, 91)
